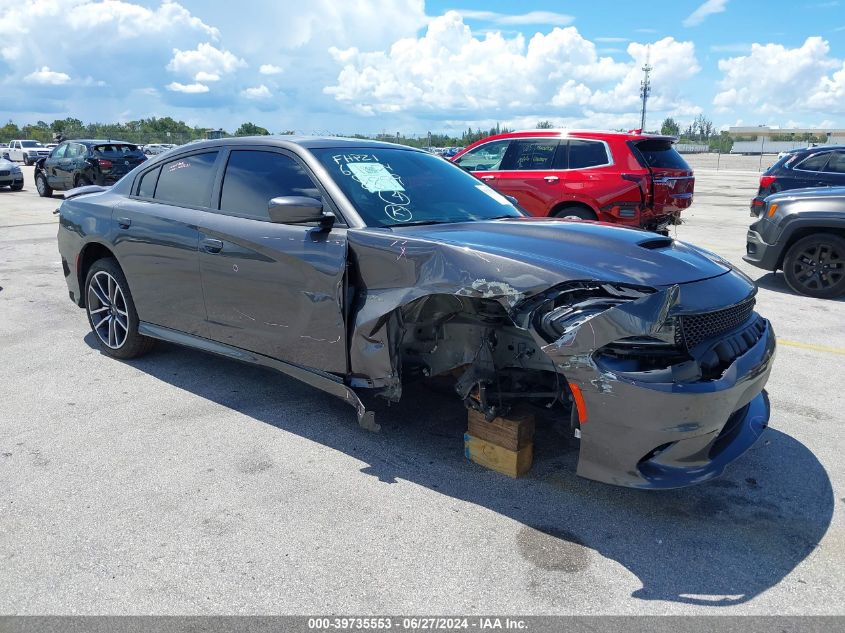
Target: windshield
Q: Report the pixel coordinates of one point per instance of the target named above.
(392, 187)
(31, 144)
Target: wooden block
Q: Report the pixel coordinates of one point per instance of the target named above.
(511, 463)
(513, 432)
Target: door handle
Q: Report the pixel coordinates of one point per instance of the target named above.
(488, 178)
(124, 223)
(211, 245)
(551, 178)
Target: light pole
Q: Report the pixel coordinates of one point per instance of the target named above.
(645, 88)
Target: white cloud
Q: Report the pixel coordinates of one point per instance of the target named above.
(613, 40)
(204, 76)
(47, 77)
(706, 9)
(548, 18)
(269, 69)
(257, 93)
(195, 88)
(204, 58)
(449, 70)
(774, 79)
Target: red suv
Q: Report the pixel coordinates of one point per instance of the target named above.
(622, 177)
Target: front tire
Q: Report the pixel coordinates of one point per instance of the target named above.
(44, 190)
(26, 160)
(16, 187)
(574, 212)
(815, 266)
(111, 312)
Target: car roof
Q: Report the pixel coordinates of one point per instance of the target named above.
(87, 141)
(817, 148)
(307, 142)
(631, 134)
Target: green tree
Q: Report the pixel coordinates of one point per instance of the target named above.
(670, 127)
(251, 129)
(544, 125)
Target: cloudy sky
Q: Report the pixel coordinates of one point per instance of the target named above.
(412, 65)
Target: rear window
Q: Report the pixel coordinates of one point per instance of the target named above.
(583, 154)
(187, 181)
(118, 149)
(661, 155)
(816, 162)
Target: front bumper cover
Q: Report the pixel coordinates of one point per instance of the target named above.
(647, 434)
(759, 253)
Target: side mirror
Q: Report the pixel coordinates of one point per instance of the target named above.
(298, 210)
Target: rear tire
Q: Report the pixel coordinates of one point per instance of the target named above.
(26, 160)
(16, 187)
(111, 312)
(575, 212)
(81, 181)
(44, 190)
(815, 266)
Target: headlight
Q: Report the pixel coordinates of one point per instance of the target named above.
(576, 302)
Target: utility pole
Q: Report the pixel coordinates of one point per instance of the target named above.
(645, 87)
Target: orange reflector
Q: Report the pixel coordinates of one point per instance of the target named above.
(772, 210)
(579, 402)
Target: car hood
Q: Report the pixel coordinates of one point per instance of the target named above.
(808, 193)
(577, 250)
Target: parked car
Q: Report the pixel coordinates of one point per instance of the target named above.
(625, 178)
(822, 166)
(83, 162)
(358, 265)
(10, 175)
(25, 151)
(802, 232)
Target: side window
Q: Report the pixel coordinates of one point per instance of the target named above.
(584, 154)
(816, 162)
(187, 181)
(59, 152)
(836, 164)
(253, 178)
(74, 150)
(147, 186)
(485, 157)
(530, 155)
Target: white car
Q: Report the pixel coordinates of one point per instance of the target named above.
(25, 151)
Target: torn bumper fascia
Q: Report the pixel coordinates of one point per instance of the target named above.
(646, 434)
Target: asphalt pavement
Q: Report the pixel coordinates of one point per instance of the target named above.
(183, 483)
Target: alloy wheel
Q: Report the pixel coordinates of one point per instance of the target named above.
(107, 310)
(39, 184)
(820, 266)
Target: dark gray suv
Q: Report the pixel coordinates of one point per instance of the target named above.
(358, 266)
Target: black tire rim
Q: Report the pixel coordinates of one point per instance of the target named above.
(819, 266)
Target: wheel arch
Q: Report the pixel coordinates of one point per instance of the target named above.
(573, 203)
(805, 231)
(90, 253)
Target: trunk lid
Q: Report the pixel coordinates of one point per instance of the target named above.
(672, 179)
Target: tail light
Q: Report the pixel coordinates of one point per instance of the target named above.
(104, 163)
(765, 181)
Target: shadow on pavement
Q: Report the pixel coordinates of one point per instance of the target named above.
(776, 283)
(720, 543)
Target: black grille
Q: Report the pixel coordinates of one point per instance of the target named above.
(695, 328)
(5, 172)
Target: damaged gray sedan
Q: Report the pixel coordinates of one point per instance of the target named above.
(358, 266)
